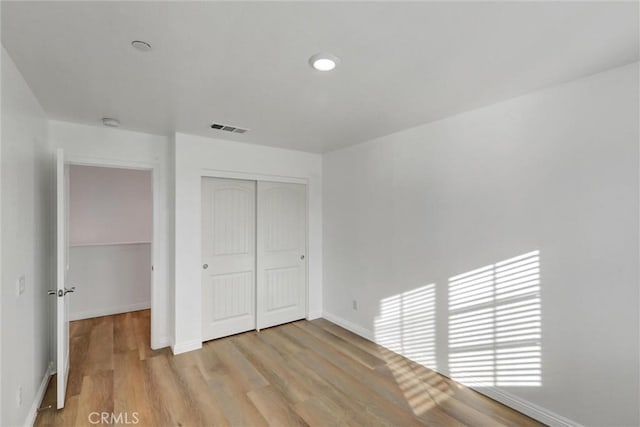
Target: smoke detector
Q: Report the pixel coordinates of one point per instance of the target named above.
(141, 46)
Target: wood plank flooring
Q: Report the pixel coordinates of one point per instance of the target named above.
(303, 373)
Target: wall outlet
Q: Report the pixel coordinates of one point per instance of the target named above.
(21, 284)
(19, 396)
(354, 304)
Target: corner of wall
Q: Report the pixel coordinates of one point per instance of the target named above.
(37, 401)
(184, 347)
(171, 229)
(2, 56)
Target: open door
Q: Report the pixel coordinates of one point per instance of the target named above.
(62, 266)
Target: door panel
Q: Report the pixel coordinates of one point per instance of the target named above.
(62, 267)
(281, 252)
(228, 252)
(232, 295)
(282, 288)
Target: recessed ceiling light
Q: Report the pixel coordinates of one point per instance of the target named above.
(324, 61)
(141, 46)
(112, 123)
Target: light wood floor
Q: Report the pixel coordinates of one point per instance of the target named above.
(303, 373)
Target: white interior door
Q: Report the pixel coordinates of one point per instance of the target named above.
(228, 257)
(62, 267)
(281, 252)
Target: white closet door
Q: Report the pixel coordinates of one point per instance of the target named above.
(281, 251)
(228, 257)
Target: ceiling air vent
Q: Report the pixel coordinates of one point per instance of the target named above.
(228, 128)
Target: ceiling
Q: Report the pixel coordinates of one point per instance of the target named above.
(245, 63)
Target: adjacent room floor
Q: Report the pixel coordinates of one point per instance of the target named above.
(303, 373)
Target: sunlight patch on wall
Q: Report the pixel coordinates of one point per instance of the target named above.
(406, 324)
(495, 326)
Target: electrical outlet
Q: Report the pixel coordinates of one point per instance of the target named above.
(21, 284)
(354, 304)
(19, 396)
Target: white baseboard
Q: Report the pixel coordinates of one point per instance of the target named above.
(314, 315)
(88, 314)
(530, 409)
(37, 400)
(161, 343)
(183, 347)
(350, 326)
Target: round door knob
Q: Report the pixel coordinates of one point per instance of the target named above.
(205, 266)
(301, 256)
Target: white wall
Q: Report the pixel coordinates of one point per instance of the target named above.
(554, 171)
(109, 205)
(110, 233)
(110, 279)
(91, 145)
(197, 156)
(26, 242)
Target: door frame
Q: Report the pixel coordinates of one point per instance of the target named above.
(156, 261)
(225, 174)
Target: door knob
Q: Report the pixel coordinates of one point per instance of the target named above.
(205, 266)
(301, 256)
(61, 292)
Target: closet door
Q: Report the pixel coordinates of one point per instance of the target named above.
(281, 252)
(228, 257)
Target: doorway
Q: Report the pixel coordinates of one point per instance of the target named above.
(110, 240)
(101, 210)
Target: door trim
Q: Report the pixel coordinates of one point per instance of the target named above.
(219, 173)
(159, 272)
